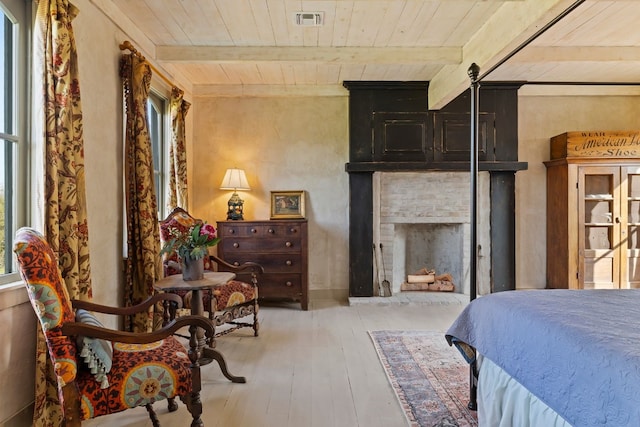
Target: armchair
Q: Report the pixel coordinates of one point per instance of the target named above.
(129, 369)
(226, 303)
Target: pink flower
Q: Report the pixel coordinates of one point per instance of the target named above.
(209, 231)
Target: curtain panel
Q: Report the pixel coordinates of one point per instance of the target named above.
(178, 152)
(143, 265)
(64, 205)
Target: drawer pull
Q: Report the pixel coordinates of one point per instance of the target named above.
(232, 231)
(293, 230)
(289, 284)
(288, 262)
(253, 230)
(236, 245)
(288, 244)
(271, 231)
(236, 263)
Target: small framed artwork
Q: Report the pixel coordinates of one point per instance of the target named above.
(287, 204)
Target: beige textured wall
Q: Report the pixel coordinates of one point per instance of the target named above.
(97, 42)
(282, 144)
(540, 118)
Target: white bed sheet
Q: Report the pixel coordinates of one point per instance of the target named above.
(504, 402)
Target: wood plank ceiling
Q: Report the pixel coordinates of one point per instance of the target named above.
(253, 47)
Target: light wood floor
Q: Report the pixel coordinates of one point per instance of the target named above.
(306, 369)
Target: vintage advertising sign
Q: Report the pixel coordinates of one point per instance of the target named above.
(603, 144)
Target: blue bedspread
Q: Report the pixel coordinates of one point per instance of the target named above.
(576, 350)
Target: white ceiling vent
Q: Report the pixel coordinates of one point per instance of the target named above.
(309, 19)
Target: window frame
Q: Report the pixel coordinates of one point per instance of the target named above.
(15, 151)
(159, 102)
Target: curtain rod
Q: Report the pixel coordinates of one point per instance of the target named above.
(126, 45)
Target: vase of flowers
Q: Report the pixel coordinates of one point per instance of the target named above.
(191, 244)
(192, 269)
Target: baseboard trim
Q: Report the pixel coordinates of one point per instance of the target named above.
(21, 419)
(329, 294)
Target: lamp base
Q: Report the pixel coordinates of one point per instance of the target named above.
(235, 207)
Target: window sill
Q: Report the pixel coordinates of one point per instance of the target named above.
(12, 294)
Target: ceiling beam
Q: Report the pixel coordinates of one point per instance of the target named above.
(511, 25)
(236, 91)
(578, 53)
(349, 55)
(571, 90)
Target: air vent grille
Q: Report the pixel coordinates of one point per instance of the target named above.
(309, 19)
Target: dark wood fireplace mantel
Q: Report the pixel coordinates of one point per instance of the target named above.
(440, 166)
(391, 130)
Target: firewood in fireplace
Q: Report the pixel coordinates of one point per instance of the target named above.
(426, 280)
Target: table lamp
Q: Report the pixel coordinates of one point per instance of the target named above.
(235, 179)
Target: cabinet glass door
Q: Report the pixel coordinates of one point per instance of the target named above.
(630, 233)
(599, 227)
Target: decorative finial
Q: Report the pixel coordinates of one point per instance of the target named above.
(127, 45)
(473, 72)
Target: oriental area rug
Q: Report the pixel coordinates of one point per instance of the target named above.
(430, 378)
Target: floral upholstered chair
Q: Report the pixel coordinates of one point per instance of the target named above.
(226, 303)
(100, 371)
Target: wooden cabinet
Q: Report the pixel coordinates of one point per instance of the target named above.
(280, 246)
(593, 211)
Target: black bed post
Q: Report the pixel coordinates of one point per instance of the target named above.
(473, 73)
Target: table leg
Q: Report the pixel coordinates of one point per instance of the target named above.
(208, 353)
(213, 354)
(197, 307)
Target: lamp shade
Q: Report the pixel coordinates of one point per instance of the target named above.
(234, 179)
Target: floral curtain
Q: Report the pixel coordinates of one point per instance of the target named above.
(178, 152)
(65, 213)
(143, 265)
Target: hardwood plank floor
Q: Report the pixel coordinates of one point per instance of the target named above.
(315, 368)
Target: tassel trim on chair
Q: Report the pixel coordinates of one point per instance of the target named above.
(95, 365)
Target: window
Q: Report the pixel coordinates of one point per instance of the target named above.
(13, 118)
(157, 114)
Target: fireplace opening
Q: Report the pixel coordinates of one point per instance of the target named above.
(438, 247)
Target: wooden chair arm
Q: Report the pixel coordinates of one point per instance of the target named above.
(127, 311)
(77, 328)
(247, 266)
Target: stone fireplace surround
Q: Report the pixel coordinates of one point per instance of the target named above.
(422, 219)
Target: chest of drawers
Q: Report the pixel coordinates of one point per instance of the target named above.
(280, 246)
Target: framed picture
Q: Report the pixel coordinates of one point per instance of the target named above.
(287, 204)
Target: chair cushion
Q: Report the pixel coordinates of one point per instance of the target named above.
(141, 374)
(228, 295)
(96, 353)
(233, 293)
